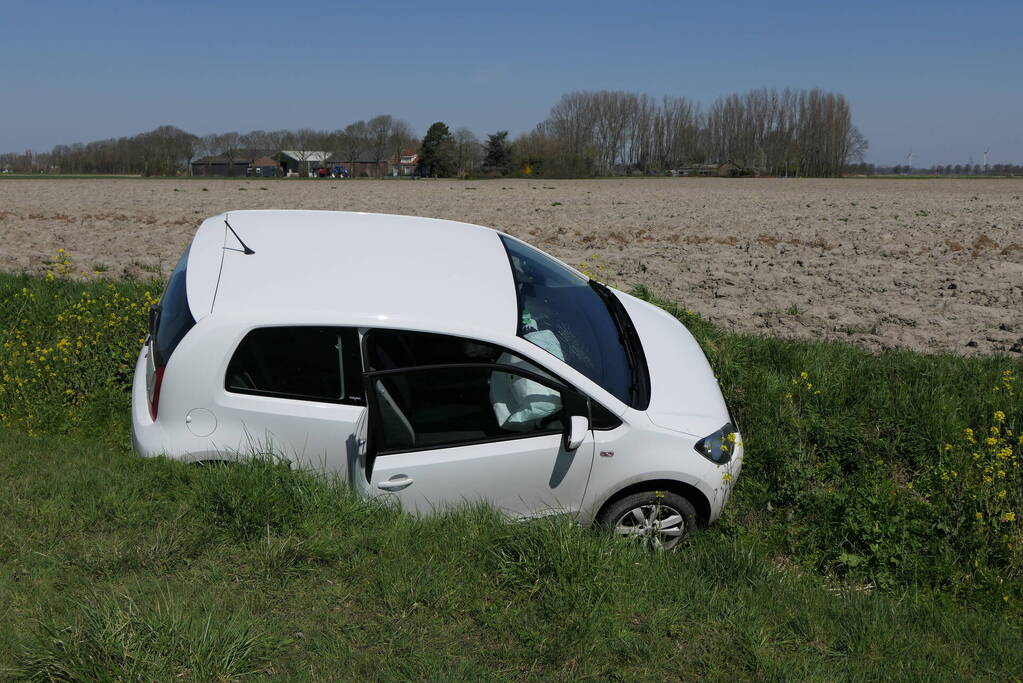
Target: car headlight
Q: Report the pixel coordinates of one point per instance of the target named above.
(719, 446)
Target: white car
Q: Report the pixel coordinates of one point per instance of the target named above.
(436, 362)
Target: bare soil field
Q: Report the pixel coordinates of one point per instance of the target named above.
(931, 265)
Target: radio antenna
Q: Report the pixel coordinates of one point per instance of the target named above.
(245, 247)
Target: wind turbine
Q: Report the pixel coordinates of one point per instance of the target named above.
(909, 160)
(985, 157)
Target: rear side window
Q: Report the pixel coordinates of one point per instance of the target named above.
(174, 318)
(304, 363)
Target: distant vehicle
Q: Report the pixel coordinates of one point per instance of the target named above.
(434, 362)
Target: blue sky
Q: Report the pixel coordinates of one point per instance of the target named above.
(943, 79)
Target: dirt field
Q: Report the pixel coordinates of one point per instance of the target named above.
(933, 265)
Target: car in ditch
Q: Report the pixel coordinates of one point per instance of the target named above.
(435, 363)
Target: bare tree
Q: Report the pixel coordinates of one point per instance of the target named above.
(468, 152)
(380, 129)
(353, 144)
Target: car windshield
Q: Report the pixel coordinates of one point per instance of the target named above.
(576, 320)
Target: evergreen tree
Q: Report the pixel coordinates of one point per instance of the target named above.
(497, 157)
(437, 153)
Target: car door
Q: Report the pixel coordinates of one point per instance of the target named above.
(445, 435)
(295, 391)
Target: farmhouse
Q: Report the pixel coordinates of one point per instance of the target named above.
(290, 162)
(264, 167)
(405, 164)
(300, 162)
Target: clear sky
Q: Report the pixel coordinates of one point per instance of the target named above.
(943, 79)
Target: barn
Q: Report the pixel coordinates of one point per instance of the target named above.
(235, 162)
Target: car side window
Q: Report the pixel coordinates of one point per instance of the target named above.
(392, 349)
(306, 363)
(431, 407)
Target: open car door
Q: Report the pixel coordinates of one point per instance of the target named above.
(445, 435)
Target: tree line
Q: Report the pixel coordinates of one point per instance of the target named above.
(968, 169)
(586, 133)
(168, 150)
(768, 132)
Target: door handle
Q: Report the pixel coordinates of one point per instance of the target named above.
(395, 483)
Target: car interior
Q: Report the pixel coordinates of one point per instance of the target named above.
(440, 405)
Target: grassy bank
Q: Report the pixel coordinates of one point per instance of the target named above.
(893, 469)
(156, 570)
(873, 533)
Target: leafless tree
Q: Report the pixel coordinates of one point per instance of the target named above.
(468, 152)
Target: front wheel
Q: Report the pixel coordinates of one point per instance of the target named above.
(660, 520)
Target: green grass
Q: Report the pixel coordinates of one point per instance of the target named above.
(148, 569)
(844, 552)
(844, 477)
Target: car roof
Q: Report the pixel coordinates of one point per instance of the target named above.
(350, 268)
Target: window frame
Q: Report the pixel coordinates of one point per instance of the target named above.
(351, 367)
(571, 400)
(367, 339)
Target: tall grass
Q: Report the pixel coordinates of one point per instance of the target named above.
(846, 454)
(115, 567)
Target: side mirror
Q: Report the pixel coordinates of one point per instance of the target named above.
(578, 427)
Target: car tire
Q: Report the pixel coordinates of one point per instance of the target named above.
(660, 520)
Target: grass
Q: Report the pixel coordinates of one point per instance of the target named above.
(844, 553)
(847, 450)
(149, 569)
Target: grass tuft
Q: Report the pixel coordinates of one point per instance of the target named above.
(113, 636)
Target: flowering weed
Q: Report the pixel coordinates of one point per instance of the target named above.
(67, 348)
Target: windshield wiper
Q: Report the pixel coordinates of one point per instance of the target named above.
(629, 340)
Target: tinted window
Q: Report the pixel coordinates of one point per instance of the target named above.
(394, 349)
(307, 363)
(561, 312)
(175, 317)
(390, 349)
(449, 406)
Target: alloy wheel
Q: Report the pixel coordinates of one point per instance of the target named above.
(657, 525)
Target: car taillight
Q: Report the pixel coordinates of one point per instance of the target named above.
(154, 394)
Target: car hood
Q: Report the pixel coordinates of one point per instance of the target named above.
(684, 393)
